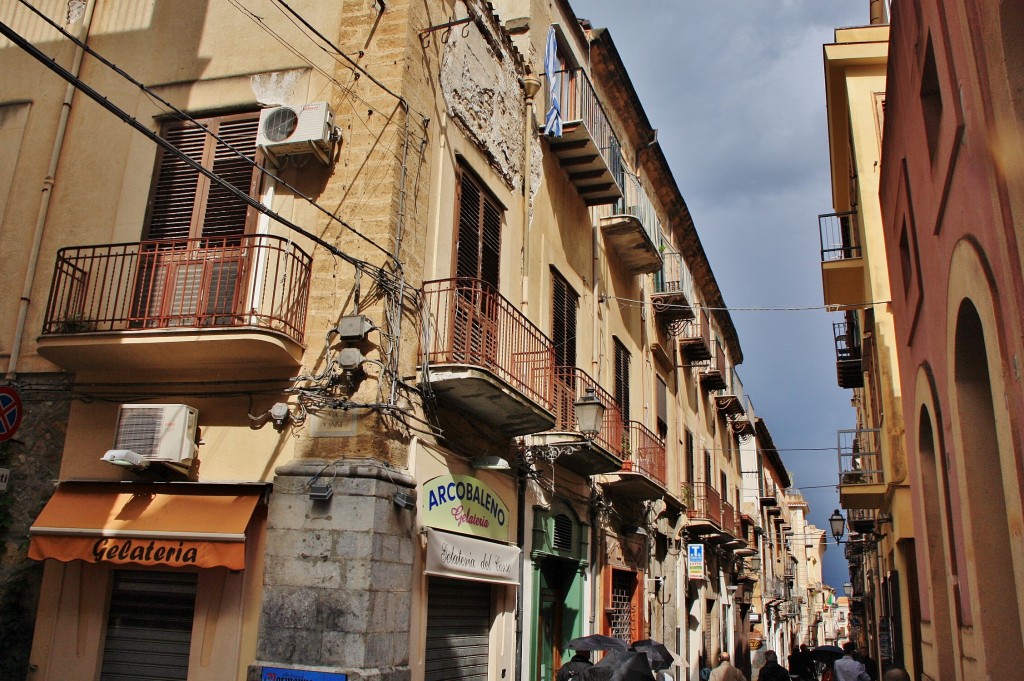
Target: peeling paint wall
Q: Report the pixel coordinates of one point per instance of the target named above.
(278, 88)
(480, 82)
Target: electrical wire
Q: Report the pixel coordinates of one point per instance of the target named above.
(185, 116)
(708, 308)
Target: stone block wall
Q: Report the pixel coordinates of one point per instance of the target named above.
(338, 578)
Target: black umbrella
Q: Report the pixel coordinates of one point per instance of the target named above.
(826, 654)
(657, 654)
(597, 642)
(619, 665)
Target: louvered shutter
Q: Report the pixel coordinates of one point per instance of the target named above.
(563, 321)
(478, 254)
(622, 379)
(186, 204)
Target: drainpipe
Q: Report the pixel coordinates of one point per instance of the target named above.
(44, 200)
(531, 84)
(879, 15)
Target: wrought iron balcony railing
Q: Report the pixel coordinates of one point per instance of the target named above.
(838, 236)
(570, 384)
(860, 460)
(579, 102)
(469, 323)
(253, 281)
(635, 202)
(646, 453)
(707, 503)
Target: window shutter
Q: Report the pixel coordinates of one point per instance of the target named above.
(478, 254)
(622, 379)
(185, 204)
(563, 321)
(662, 401)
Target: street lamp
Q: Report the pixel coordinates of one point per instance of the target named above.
(837, 523)
(848, 589)
(755, 563)
(589, 414)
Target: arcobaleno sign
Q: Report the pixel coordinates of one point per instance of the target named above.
(460, 503)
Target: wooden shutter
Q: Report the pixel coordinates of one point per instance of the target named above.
(478, 253)
(184, 203)
(563, 321)
(689, 456)
(622, 379)
(661, 399)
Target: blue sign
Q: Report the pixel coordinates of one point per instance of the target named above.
(695, 561)
(276, 674)
(10, 412)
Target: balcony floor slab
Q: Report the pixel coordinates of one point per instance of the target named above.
(482, 394)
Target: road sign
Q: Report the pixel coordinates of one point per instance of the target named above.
(695, 561)
(10, 412)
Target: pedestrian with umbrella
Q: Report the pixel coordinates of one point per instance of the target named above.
(574, 667)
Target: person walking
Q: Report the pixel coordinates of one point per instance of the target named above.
(573, 668)
(848, 668)
(725, 671)
(772, 670)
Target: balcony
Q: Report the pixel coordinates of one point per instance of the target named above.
(842, 262)
(712, 375)
(485, 358)
(643, 471)
(849, 369)
(705, 510)
(588, 149)
(672, 297)
(634, 231)
(861, 476)
(602, 454)
(861, 520)
(735, 406)
(133, 307)
(695, 338)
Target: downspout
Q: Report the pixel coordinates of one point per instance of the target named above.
(44, 199)
(531, 85)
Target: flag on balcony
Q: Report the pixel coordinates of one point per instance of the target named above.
(553, 120)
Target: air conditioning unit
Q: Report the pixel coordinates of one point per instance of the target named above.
(288, 131)
(158, 432)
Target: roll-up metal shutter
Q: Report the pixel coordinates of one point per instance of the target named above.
(149, 626)
(458, 630)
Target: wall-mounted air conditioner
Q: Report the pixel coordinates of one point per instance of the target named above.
(157, 432)
(288, 131)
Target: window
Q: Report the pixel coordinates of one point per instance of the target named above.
(661, 397)
(690, 464)
(563, 320)
(622, 379)
(185, 204)
(191, 268)
(478, 250)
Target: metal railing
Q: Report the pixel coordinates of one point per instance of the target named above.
(860, 460)
(674, 276)
(838, 235)
(468, 322)
(578, 102)
(570, 384)
(635, 202)
(707, 503)
(259, 281)
(646, 452)
(847, 337)
(729, 518)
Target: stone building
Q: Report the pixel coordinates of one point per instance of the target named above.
(333, 304)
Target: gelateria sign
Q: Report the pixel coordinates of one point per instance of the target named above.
(459, 557)
(460, 503)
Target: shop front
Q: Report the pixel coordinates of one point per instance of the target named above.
(148, 581)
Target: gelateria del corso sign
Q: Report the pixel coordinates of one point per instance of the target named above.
(463, 504)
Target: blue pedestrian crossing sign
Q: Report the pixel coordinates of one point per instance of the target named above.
(10, 412)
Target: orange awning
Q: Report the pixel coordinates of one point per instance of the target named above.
(139, 524)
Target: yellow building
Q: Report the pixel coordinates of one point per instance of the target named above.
(323, 303)
(873, 482)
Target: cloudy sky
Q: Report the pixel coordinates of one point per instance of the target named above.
(736, 89)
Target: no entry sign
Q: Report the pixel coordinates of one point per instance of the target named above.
(11, 412)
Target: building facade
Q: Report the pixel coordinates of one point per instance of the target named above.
(322, 312)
